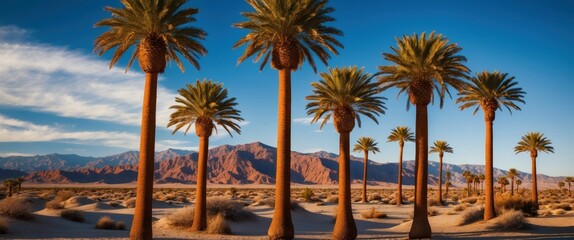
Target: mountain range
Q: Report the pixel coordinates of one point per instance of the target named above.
(252, 163)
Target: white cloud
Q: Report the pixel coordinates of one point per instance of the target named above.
(303, 120)
(12, 33)
(14, 130)
(163, 145)
(312, 150)
(12, 154)
(72, 84)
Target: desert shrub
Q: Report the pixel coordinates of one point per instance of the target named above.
(307, 194)
(218, 225)
(454, 198)
(374, 197)
(106, 222)
(459, 208)
(18, 208)
(558, 211)
(228, 209)
(512, 219)
(450, 213)
(393, 201)
(73, 215)
(357, 199)
(471, 215)
(114, 204)
(372, 213)
(564, 206)
(64, 195)
(471, 200)
(130, 203)
(54, 204)
(432, 212)
(265, 201)
(333, 199)
(527, 207)
(182, 217)
(3, 226)
(433, 202)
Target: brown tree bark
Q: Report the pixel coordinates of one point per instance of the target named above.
(142, 221)
(420, 227)
(282, 226)
(512, 187)
(440, 155)
(345, 227)
(400, 180)
(489, 184)
(200, 213)
(533, 156)
(366, 163)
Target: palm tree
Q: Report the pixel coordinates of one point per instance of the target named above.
(440, 147)
(468, 178)
(345, 94)
(422, 64)
(518, 182)
(19, 182)
(561, 185)
(512, 174)
(490, 91)
(400, 134)
(482, 177)
(365, 145)
(533, 142)
(287, 31)
(447, 184)
(9, 184)
(476, 180)
(503, 181)
(158, 32)
(569, 180)
(204, 104)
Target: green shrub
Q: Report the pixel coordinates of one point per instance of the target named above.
(307, 194)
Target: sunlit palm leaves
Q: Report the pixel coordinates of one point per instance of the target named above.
(491, 88)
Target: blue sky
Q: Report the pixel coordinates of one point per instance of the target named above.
(56, 95)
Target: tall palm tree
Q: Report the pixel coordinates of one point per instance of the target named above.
(533, 142)
(490, 91)
(421, 64)
(365, 145)
(569, 180)
(287, 31)
(440, 147)
(345, 94)
(158, 31)
(512, 174)
(204, 104)
(518, 182)
(482, 177)
(468, 178)
(401, 135)
(447, 183)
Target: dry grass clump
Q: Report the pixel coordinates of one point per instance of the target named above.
(182, 217)
(433, 202)
(374, 197)
(459, 208)
(333, 199)
(510, 220)
(106, 222)
(564, 206)
(218, 225)
(432, 212)
(18, 208)
(229, 209)
(3, 226)
(372, 213)
(61, 196)
(503, 203)
(130, 203)
(471, 200)
(73, 215)
(558, 211)
(471, 215)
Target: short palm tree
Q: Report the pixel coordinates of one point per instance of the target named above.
(482, 177)
(490, 91)
(512, 174)
(569, 180)
(447, 183)
(204, 104)
(518, 183)
(440, 147)
(345, 94)
(365, 145)
(468, 178)
(401, 135)
(503, 181)
(9, 184)
(533, 142)
(158, 31)
(423, 64)
(287, 32)
(561, 185)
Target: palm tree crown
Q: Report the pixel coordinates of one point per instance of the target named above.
(343, 92)
(423, 63)
(401, 134)
(205, 102)
(287, 31)
(512, 173)
(441, 147)
(534, 142)
(366, 144)
(491, 91)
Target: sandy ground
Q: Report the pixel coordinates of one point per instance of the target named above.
(311, 222)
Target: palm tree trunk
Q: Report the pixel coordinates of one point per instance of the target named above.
(400, 180)
(512, 187)
(141, 224)
(282, 226)
(421, 227)
(200, 214)
(534, 181)
(10, 190)
(345, 227)
(440, 180)
(489, 192)
(365, 176)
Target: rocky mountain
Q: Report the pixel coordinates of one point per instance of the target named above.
(252, 163)
(8, 173)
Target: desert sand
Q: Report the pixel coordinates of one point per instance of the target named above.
(311, 221)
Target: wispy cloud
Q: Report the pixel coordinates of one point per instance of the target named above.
(303, 120)
(70, 83)
(12, 154)
(14, 130)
